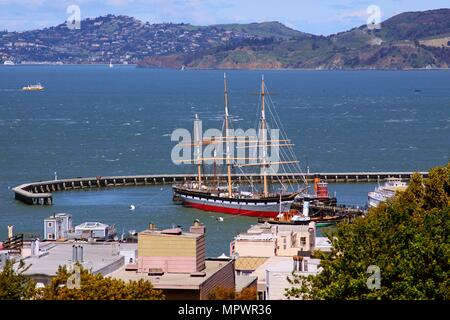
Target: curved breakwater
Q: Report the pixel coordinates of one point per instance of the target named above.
(40, 193)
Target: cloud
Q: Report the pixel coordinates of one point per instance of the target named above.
(22, 2)
(354, 14)
(119, 2)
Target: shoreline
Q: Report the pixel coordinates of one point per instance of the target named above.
(217, 69)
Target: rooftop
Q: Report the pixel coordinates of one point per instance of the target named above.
(243, 282)
(173, 280)
(58, 216)
(267, 232)
(92, 225)
(287, 266)
(323, 244)
(249, 263)
(256, 236)
(281, 264)
(170, 233)
(260, 272)
(95, 256)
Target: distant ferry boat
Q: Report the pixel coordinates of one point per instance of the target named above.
(8, 63)
(385, 192)
(33, 87)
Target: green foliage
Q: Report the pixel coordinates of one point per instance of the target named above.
(395, 46)
(408, 238)
(14, 285)
(97, 287)
(221, 293)
(263, 29)
(247, 294)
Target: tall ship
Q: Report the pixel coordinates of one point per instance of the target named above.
(269, 195)
(386, 191)
(33, 87)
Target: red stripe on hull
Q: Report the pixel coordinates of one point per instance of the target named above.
(249, 213)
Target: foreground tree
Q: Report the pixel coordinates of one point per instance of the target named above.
(14, 285)
(407, 239)
(221, 293)
(83, 285)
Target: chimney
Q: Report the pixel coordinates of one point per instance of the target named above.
(197, 227)
(80, 254)
(10, 231)
(74, 253)
(151, 226)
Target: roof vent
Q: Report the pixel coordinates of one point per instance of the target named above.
(198, 274)
(155, 272)
(174, 231)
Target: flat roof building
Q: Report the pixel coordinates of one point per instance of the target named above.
(187, 286)
(265, 240)
(100, 258)
(274, 272)
(267, 246)
(277, 275)
(93, 230)
(174, 262)
(171, 250)
(57, 226)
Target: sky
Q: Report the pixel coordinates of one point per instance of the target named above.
(318, 16)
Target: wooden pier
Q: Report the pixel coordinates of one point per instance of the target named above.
(40, 193)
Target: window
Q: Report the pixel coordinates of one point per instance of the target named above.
(49, 224)
(303, 241)
(50, 236)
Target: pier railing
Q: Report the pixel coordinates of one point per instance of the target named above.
(40, 193)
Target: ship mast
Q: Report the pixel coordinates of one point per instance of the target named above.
(227, 142)
(197, 142)
(263, 137)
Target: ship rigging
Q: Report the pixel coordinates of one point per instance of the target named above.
(249, 199)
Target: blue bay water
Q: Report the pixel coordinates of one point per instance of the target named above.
(92, 120)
